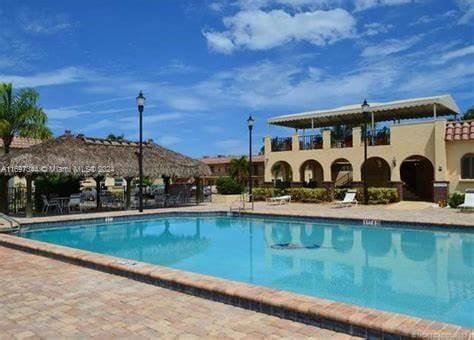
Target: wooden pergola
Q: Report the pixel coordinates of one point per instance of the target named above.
(83, 156)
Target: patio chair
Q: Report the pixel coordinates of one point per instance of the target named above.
(349, 199)
(468, 201)
(74, 203)
(160, 200)
(174, 200)
(49, 204)
(280, 200)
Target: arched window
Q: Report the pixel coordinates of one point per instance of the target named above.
(467, 166)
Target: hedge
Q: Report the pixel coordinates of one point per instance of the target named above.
(376, 195)
(318, 195)
(228, 186)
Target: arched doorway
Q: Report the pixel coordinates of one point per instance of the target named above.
(417, 175)
(311, 173)
(378, 172)
(341, 173)
(282, 174)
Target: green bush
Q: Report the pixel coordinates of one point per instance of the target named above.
(261, 194)
(308, 195)
(376, 195)
(456, 199)
(228, 186)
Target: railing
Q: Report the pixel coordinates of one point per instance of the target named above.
(281, 144)
(17, 199)
(344, 142)
(311, 142)
(378, 137)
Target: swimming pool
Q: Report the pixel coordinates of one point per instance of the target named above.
(423, 273)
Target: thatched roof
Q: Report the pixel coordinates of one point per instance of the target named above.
(81, 155)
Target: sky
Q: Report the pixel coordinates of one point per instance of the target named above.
(205, 65)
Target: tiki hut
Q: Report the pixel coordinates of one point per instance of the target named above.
(93, 157)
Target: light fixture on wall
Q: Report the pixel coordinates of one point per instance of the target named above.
(394, 162)
(440, 168)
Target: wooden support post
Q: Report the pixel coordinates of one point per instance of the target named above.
(97, 179)
(4, 194)
(29, 198)
(128, 193)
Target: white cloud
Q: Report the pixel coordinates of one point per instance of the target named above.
(376, 28)
(260, 30)
(467, 7)
(60, 76)
(366, 4)
(37, 23)
(459, 53)
(390, 46)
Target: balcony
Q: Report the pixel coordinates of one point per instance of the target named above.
(339, 143)
(378, 137)
(313, 142)
(281, 144)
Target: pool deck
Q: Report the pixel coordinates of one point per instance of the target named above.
(44, 298)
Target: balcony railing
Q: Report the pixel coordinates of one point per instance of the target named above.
(281, 144)
(378, 137)
(311, 142)
(338, 143)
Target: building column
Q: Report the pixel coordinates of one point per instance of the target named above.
(399, 186)
(29, 198)
(326, 139)
(4, 193)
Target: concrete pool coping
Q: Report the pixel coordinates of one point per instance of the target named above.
(341, 317)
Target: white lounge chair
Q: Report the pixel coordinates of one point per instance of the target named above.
(50, 204)
(280, 199)
(349, 199)
(468, 200)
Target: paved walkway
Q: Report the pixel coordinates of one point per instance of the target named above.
(44, 298)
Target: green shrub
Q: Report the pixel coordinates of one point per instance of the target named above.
(308, 195)
(261, 194)
(228, 186)
(456, 199)
(376, 195)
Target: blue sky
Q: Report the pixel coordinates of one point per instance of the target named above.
(204, 65)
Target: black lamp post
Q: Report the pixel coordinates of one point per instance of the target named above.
(141, 106)
(250, 122)
(365, 111)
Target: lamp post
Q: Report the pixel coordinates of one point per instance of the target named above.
(250, 122)
(365, 111)
(141, 106)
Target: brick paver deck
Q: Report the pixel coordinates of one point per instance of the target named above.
(44, 298)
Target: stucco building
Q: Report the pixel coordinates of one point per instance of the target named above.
(219, 166)
(410, 147)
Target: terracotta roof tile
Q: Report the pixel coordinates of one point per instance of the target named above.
(460, 131)
(227, 159)
(22, 143)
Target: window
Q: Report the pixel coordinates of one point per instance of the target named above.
(467, 166)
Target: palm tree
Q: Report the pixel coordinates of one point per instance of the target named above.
(19, 116)
(469, 114)
(239, 169)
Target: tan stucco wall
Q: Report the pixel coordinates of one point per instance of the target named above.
(406, 140)
(454, 152)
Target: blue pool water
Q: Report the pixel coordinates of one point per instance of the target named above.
(429, 274)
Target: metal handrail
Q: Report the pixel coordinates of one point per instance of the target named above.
(10, 220)
(281, 144)
(311, 142)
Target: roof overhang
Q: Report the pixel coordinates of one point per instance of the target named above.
(352, 114)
